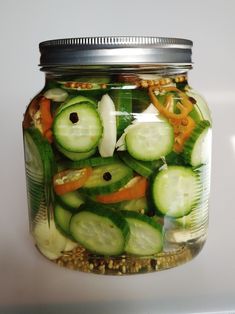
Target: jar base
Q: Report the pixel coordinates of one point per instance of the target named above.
(82, 260)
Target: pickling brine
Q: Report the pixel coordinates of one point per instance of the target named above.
(117, 167)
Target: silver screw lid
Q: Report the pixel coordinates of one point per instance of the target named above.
(118, 51)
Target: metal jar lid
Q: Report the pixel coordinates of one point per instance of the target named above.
(115, 51)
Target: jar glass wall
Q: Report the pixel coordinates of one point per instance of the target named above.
(118, 168)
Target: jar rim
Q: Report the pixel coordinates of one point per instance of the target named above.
(115, 50)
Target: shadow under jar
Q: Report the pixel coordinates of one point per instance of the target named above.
(117, 155)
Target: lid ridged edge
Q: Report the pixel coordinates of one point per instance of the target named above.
(125, 41)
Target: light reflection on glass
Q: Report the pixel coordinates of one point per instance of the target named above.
(233, 142)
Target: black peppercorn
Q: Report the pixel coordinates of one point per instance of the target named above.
(107, 176)
(73, 117)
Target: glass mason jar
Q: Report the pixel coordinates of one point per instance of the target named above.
(117, 154)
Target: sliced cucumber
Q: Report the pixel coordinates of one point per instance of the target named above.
(74, 101)
(49, 240)
(197, 148)
(174, 159)
(56, 94)
(39, 165)
(140, 99)
(92, 162)
(76, 156)
(99, 230)
(145, 234)
(107, 142)
(71, 201)
(78, 128)
(123, 103)
(150, 140)
(62, 218)
(176, 191)
(137, 205)
(107, 179)
(144, 168)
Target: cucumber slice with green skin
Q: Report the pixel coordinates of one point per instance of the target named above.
(39, 167)
(76, 156)
(149, 141)
(176, 191)
(175, 159)
(74, 101)
(62, 218)
(99, 230)
(107, 142)
(137, 205)
(140, 99)
(196, 114)
(49, 239)
(78, 128)
(197, 148)
(92, 162)
(123, 103)
(71, 201)
(56, 94)
(107, 179)
(145, 234)
(144, 168)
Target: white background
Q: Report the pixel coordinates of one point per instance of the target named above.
(30, 284)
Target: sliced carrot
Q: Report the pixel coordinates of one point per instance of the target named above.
(136, 188)
(185, 106)
(30, 112)
(70, 180)
(182, 123)
(183, 132)
(46, 117)
(49, 135)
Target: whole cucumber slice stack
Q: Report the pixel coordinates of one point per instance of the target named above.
(99, 230)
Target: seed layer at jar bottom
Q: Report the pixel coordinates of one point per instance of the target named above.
(118, 171)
